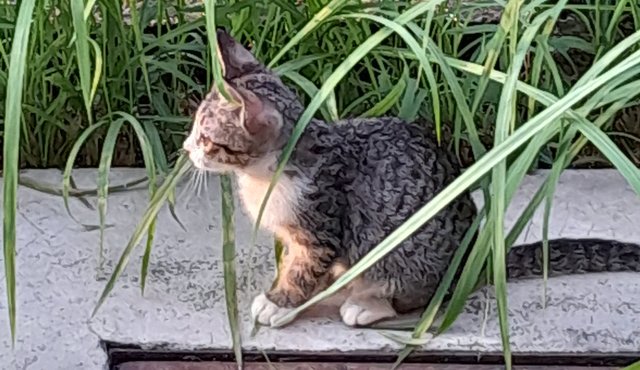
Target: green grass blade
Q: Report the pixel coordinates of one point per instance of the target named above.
(82, 51)
(310, 89)
(155, 204)
(613, 153)
(66, 175)
(505, 121)
(10, 158)
(149, 163)
(97, 73)
(103, 177)
(216, 60)
(391, 99)
(229, 254)
(227, 196)
(146, 257)
(313, 23)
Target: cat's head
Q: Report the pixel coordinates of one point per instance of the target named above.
(229, 135)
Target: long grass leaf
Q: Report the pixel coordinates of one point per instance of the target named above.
(73, 154)
(505, 120)
(227, 197)
(216, 60)
(103, 177)
(155, 204)
(10, 158)
(150, 166)
(228, 256)
(613, 153)
(82, 51)
(97, 73)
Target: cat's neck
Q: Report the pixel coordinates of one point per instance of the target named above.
(253, 184)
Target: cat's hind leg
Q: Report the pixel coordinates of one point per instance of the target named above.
(367, 303)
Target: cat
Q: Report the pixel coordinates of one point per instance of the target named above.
(347, 185)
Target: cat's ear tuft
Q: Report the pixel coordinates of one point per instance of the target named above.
(238, 61)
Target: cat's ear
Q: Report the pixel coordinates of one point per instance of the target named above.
(238, 61)
(262, 119)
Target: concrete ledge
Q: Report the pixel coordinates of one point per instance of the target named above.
(59, 282)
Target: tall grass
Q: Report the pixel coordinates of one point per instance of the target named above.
(507, 97)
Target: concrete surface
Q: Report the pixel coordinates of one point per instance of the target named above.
(59, 282)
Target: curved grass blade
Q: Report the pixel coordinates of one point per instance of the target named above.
(97, 74)
(82, 51)
(216, 60)
(228, 257)
(155, 204)
(103, 177)
(613, 153)
(149, 163)
(402, 338)
(66, 175)
(10, 158)
(171, 199)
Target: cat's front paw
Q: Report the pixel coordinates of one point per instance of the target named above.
(267, 312)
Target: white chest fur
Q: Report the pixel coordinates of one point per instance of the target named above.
(282, 204)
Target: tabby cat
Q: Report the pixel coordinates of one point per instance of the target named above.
(347, 186)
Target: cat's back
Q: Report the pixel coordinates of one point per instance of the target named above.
(397, 167)
(395, 145)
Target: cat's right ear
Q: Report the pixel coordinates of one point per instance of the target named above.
(238, 61)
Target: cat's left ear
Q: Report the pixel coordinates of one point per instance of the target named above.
(238, 61)
(262, 119)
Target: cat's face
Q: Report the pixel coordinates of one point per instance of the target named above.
(229, 135)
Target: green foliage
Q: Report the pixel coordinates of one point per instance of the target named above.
(96, 89)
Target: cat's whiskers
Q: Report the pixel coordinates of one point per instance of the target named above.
(191, 185)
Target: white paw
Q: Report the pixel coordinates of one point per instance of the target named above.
(354, 314)
(265, 311)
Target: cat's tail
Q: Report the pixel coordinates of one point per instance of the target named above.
(573, 256)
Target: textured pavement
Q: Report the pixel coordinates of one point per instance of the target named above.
(59, 282)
